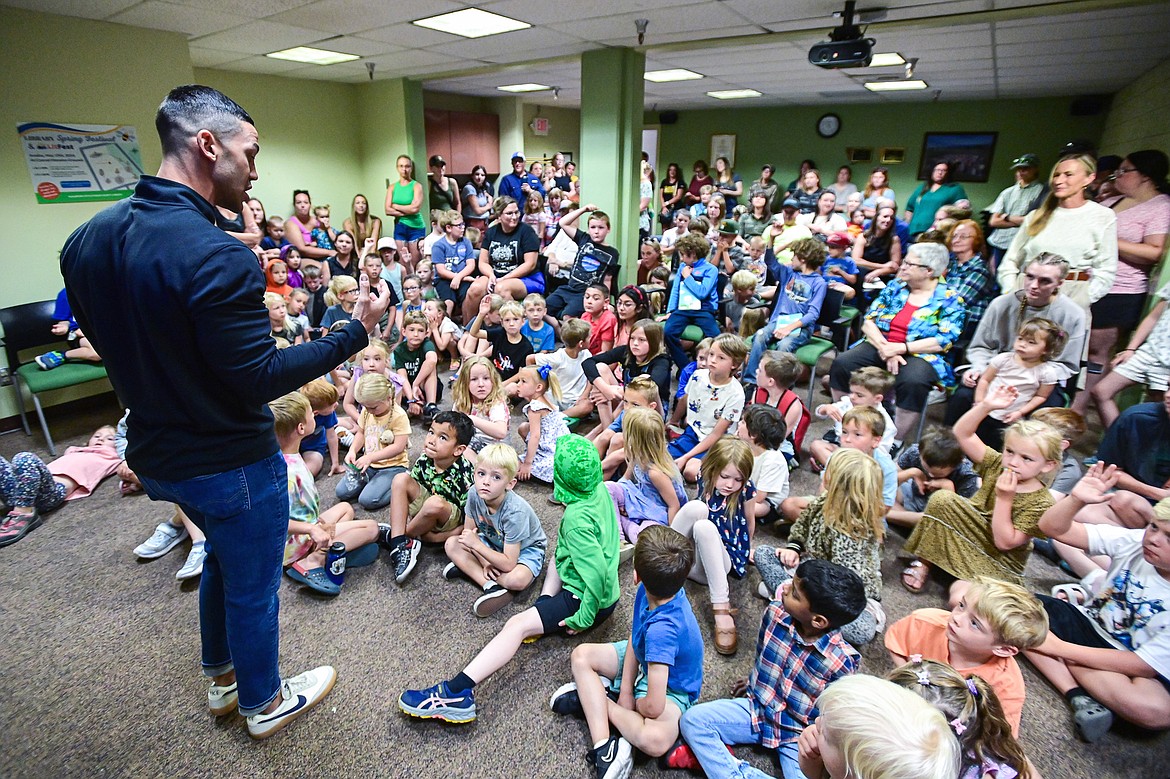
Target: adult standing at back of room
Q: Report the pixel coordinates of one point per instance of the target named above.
(174, 305)
(937, 191)
(1013, 204)
(404, 201)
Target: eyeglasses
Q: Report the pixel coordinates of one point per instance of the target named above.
(1123, 171)
(353, 291)
(917, 265)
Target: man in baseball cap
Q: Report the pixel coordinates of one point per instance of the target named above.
(1009, 209)
(519, 182)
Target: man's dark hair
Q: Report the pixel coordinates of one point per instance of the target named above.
(464, 427)
(765, 424)
(833, 591)
(663, 558)
(188, 109)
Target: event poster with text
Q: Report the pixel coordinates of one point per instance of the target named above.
(81, 163)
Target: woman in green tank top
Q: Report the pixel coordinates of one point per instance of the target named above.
(404, 204)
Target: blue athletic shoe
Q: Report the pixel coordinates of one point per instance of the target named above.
(49, 360)
(439, 702)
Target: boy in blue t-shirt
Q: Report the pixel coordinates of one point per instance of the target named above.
(452, 260)
(694, 297)
(657, 673)
(535, 329)
(322, 442)
(839, 269)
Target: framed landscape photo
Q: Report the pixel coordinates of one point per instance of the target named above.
(969, 155)
(892, 155)
(859, 153)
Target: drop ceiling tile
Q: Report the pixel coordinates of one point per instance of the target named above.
(212, 58)
(254, 9)
(412, 36)
(363, 47)
(349, 16)
(261, 35)
(266, 65)
(192, 22)
(547, 13)
(517, 45)
(86, 9)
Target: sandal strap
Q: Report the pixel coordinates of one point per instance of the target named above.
(724, 611)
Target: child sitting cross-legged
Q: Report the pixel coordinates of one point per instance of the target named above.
(479, 393)
(322, 442)
(535, 329)
(580, 590)
(427, 503)
(656, 674)
(861, 429)
(868, 386)
(639, 392)
(651, 491)
(311, 531)
(714, 400)
(501, 546)
(379, 449)
(694, 297)
(974, 713)
(509, 346)
(990, 624)
(990, 534)
(417, 362)
(567, 365)
(1108, 650)
(798, 653)
(935, 463)
(843, 526)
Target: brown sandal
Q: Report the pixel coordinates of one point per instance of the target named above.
(726, 639)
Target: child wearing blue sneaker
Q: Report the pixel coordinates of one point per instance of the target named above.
(310, 531)
(657, 673)
(580, 589)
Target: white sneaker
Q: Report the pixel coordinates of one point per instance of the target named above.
(166, 537)
(194, 565)
(222, 699)
(299, 693)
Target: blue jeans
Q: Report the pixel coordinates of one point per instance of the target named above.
(760, 344)
(711, 727)
(244, 513)
(678, 321)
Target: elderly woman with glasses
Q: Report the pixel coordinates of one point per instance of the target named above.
(908, 330)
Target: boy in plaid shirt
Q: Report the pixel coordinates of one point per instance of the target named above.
(799, 652)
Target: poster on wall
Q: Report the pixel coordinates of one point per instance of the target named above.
(81, 163)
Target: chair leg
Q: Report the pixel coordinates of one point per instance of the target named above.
(812, 383)
(44, 426)
(20, 402)
(922, 418)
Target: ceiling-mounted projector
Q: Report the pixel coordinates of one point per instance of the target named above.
(846, 47)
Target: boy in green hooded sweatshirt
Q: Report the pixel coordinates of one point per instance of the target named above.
(580, 588)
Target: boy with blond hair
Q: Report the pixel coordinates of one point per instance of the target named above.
(743, 296)
(990, 623)
(510, 349)
(868, 386)
(538, 333)
(311, 531)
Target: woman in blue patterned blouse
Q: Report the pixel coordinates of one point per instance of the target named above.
(908, 331)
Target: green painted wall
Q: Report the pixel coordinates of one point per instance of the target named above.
(564, 132)
(322, 156)
(60, 69)
(784, 135)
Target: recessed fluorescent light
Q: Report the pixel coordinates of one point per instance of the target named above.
(733, 94)
(673, 74)
(895, 86)
(313, 56)
(523, 88)
(472, 23)
(887, 59)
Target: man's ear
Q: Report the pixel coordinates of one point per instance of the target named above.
(206, 145)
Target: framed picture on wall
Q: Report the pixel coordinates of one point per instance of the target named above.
(859, 154)
(969, 155)
(892, 155)
(723, 145)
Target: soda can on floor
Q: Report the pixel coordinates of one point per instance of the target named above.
(335, 563)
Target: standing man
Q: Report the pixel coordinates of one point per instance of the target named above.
(174, 304)
(519, 182)
(1013, 204)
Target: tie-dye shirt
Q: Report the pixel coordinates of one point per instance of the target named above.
(303, 506)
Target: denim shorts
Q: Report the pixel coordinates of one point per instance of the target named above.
(406, 233)
(680, 699)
